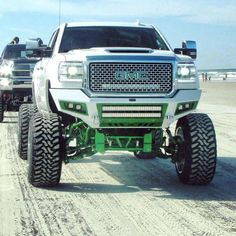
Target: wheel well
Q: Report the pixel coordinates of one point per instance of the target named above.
(66, 119)
(51, 102)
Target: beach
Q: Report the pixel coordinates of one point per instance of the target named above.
(220, 92)
(218, 100)
(116, 194)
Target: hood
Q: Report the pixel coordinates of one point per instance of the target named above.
(117, 53)
(184, 58)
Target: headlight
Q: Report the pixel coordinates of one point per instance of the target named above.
(6, 71)
(186, 71)
(71, 71)
(5, 82)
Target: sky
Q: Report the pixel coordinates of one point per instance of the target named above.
(211, 23)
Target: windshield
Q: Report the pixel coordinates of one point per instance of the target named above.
(14, 51)
(88, 37)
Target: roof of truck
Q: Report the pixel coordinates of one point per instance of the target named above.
(119, 24)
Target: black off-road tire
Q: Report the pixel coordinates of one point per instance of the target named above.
(26, 111)
(1, 108)
(45, 150)
(197, 154)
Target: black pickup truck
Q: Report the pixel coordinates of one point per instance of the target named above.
(15, 78)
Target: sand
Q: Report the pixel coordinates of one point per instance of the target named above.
(222, 92)
(218, 100)
(116, 194)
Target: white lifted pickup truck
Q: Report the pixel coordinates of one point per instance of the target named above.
(114, 86)
(15, 78)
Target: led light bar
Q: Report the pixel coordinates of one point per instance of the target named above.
(131, 115)
(131, 108)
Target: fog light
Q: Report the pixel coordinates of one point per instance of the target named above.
(78, 107)
(187, 105)
(184, 107)
(70, 105)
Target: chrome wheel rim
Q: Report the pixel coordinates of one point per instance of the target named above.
(181, 162)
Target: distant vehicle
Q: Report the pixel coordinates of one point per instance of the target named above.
(15, 78)
(114, 86)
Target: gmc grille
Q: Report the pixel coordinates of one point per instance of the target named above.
(131, 77)
(22, 71)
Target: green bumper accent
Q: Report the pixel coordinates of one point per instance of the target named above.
(185, 106)
(132, 121)
(123, 143)
(147, 145)
(99, 142)
(80, 108)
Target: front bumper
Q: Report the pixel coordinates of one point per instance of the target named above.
(7, 84)
(148, 112)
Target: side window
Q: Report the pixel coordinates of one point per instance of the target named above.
(53, 39)
(3, 53)
(1, 58)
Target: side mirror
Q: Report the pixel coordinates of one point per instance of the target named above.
(36, 48)
(189, 48)
(33, 43)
